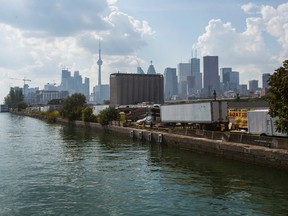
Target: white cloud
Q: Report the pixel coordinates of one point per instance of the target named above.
(250, 8)
(56, 18)
(38, 38)
(112, 2)
(124, 38)
(248, 51)
(276, 23)
(222, 39)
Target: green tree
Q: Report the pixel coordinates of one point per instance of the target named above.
(108, 115)
(278, 97)
(21, 105)
(72, 107)
(55, 101)
(87, 115)
(14, 97)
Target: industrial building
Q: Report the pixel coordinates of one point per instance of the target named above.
(135, 88)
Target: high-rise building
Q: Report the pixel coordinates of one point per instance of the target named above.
(253, 86)
(234, 80)
(140, 70)
(29, 94)
(183, 71)
(265, 78)
(151, 69)
(86, 88)
(197, 76)
(43, 96)
(66, 80)
(170, 83)
(243, 90)
(229, 79)
(105, 94)
(211, 76)
(189, 78)
(50, 87)
(225, 75)
(73, 84)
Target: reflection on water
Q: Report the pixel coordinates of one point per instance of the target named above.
(59, 170)
(225, 180)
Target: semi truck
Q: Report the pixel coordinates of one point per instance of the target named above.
(204, 115)
(261, 123)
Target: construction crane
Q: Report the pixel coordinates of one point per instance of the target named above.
(24, 79)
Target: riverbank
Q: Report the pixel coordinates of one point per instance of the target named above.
(267, 151)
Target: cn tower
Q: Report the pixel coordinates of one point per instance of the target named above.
(99, 62)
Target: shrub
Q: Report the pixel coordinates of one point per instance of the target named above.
(108, 115)
(52, 116)
(87, 114)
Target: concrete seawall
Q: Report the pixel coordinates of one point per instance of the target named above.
(255, 154)
(272, 153)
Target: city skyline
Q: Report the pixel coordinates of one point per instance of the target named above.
(249, 37)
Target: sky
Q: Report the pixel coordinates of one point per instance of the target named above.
(40, 38)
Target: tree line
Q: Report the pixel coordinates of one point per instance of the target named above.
(72, 108)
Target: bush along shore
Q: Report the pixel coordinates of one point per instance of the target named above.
(267, 151)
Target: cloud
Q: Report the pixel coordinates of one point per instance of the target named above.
(222, 39)
(250, 8)
(13, 54)
(248, 51)
(276, 23)
(112, 2)
(124, 38)
(54, 18)
(38, 38)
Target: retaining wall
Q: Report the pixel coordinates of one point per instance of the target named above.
(255, 154)
(268, 151)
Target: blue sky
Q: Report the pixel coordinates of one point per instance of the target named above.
(39, 38)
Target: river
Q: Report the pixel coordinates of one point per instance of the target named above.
(50, 169)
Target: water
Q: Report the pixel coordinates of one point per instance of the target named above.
(48, 169)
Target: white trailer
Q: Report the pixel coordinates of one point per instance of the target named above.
(210, 112)
(98, 108)
(261, 123)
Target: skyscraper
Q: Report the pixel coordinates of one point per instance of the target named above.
(225, 75)
(183, 71)
(86, 88)
(170, 83)
(140, 70)
(65, 80)
(151, 69)
(265, 78)
(253, 86)
(197, 76)
(77, 87)
(229, 79)
(211, 76)
(74, 84)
